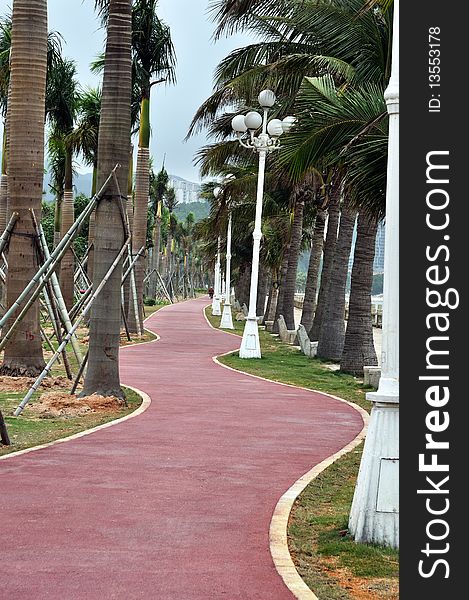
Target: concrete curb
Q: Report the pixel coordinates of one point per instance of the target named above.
(146, 401)
(278, 533)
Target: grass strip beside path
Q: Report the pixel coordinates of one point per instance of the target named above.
(29, 430)
(326, 557)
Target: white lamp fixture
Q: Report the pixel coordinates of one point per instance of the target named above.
(238, 124)
(263, 143)
(216, 303)
(275, 128)
(253, 120)
(288, 123)
(267, 99)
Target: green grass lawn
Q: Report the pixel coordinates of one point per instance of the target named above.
(329, 561)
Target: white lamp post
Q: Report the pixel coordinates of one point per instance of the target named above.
(227, 318)
(375, 509)
(216, 304)
(265, 142)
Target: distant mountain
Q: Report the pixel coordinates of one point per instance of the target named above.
(201, 210)
(81, 181)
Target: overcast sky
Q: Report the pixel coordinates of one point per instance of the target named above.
(172, 107)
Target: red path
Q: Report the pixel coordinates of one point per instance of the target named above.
(176, 503)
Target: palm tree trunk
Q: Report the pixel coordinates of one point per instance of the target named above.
(332, 334)
(4, 199)
(311, 288)
(67, 263)
(281, 289)
(128, 306)
(91, 227)
(102, 376)
(28, 62)
(261, 290)
(142, 190)
(328, 258)
(4, 184)
(293, 258)
(359, 348)
(155, 263)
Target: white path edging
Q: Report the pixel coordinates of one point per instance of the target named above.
(146, 401)
(278, 533)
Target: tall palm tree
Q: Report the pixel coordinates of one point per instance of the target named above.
(154, 61)
(158, 188)
(171, 202)
(349, 128)
(102, 375)
(84, 140)
(5, 46)
(61, 100)
(23, 353)
(359, 347)
(53, 55)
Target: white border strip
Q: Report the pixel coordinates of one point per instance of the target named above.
(278, 532)
(146, 401)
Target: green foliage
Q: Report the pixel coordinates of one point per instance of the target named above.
(81, 241)
(47, 220)
(200, 210)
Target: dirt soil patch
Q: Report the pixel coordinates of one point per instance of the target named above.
(22, 384)
(361, 588)
(58, 404)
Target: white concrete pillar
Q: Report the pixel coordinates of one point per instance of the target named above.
(375, 509)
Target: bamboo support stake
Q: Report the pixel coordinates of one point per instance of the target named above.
(45, 372)
(80, 373)
(58, 332)
(56, 291)
(5, 237)
(48, 342)
(51, 264)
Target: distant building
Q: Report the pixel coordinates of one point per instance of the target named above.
(186, 191)
(378, 265)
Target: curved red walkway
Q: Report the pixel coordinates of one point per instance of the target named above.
(176, 503)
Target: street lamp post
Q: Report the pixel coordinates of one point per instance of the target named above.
(216, 304)
(374, 515)
(264, 143)
(227, 318)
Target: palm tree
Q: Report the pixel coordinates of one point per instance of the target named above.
(359, 347)
(303, 193)
(5, 46)
(23, 353)
(171, 202)
(53, 55)
(349, 128)
(158, 189)
(102, 375)
(154, 57)
(84, 140)
(61, 101)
